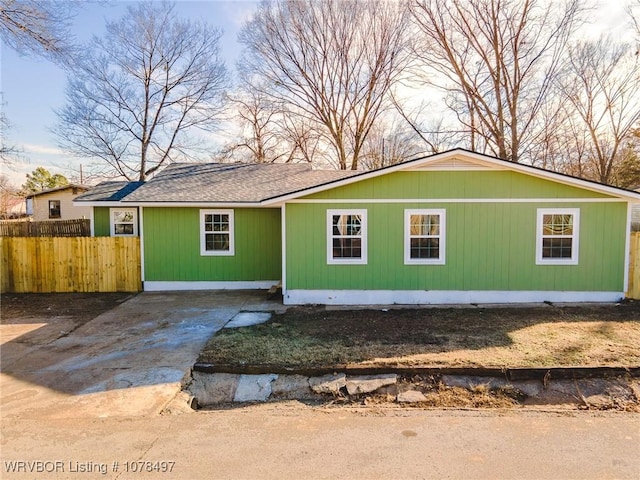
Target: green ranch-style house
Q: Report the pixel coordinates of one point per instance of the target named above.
(455, 227)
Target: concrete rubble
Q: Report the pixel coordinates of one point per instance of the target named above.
(331, 383)
(369, 383)
(209, 389)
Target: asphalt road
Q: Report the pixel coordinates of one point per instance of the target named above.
(292, 440)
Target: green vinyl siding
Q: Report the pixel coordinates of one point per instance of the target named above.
(456, 184)
(489, 246)
(172, 246)
(101, 219)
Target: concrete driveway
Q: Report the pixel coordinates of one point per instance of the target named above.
(128, 361)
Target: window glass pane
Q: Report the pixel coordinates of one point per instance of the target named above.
(557, 224)
(123, 228)
(217, 241)
(349, 225)
(425, 248)
(424, 225)
(556, 247)
(347, 248)
(54, 208)
(119, 217)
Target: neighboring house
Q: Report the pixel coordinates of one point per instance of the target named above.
(12, 206)
(455, 227)
(635, 216)
(57, 203)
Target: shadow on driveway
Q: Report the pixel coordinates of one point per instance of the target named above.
(127, 360)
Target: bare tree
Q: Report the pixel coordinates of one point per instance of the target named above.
(137, 95)
(389, 143)
(9, 153)
(261, 138)
(10, 197)
(495, 61)
(633, 9)
(38, 27)
(330, 64)
(601, 91)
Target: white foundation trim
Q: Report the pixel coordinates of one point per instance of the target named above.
(435, 297)
(155, 286)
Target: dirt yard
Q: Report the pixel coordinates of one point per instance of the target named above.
(549, 336)
(81, 307)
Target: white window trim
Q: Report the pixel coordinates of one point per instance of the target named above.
(112, 222)
(203, 243)
(407, 237)
(363, 249)
(575, 244)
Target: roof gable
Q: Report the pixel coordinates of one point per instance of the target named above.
(460, 159)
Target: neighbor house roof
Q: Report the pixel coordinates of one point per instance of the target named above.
(73, 186)
(109, 192)
(231, 182)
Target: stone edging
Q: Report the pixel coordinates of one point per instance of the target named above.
(615, 388)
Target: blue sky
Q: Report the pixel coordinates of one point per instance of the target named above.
(32, 88)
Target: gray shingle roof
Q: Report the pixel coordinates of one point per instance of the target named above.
(231, 182)
(72, 186)
(109, 192)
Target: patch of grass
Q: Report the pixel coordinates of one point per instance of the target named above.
(500, 337)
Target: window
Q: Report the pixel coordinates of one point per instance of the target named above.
(424, 237)
(216, 232)
(347, 236)
(54, 208)
(557, 236)
(124, 222)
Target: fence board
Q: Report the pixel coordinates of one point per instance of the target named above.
(634, 267)
(71, 264)
(51, 228)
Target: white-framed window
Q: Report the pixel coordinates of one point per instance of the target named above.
(424, 237)
(347, 237)
(124, 222)
(557, 236)
(216, 232)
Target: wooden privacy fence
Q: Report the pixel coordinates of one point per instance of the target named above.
(55, 228)
(79, 264)
(634, 267)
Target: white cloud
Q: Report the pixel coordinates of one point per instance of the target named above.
(42, 149)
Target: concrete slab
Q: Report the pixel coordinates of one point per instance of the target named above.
(246, 319)
(128, 361)
(254, 388)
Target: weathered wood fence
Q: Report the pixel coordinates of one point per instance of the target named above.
(79, 264)
(54, 228)
(634, 267)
